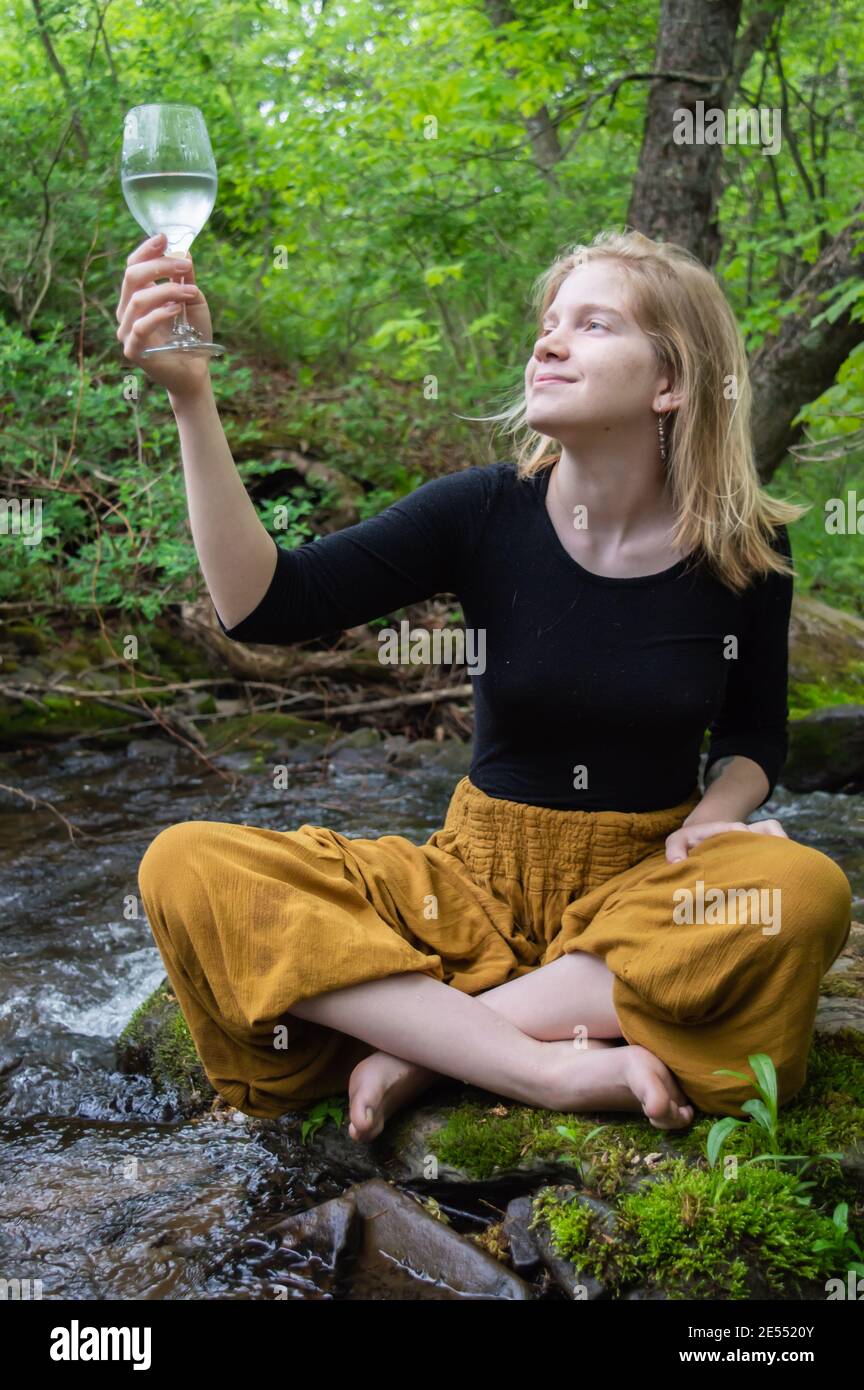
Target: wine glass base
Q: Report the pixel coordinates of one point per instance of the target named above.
(193, 345)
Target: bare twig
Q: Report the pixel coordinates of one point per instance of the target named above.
(40, 801)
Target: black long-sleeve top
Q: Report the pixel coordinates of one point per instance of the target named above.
(597, 691)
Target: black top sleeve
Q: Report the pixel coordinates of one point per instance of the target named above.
(417, 547)
(753, 720)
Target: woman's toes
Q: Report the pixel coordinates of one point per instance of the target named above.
(362, 1127)
(670, 1115)
(663, 1102)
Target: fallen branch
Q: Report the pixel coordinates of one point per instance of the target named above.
(420, 697)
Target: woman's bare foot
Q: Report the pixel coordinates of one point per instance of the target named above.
(380, 1084)
(654, 1086)
(620, 1078)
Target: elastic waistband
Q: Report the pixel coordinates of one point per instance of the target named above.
(497, 835)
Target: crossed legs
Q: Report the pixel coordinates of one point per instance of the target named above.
(516, 1039)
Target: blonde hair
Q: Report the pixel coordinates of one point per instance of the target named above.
(723, 515)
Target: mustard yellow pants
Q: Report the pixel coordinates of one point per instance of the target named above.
(249, 921)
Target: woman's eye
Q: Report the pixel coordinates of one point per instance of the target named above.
(589, 323)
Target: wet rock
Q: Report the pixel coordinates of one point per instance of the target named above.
(454, 756)
(329, 1231)
(836, 1012)
(450, 755)
(416, 754)
(826, 751)
(389, 1246)
(393, 744)
(524, 1251)
(358, 738)
(150, 749)
(331, 1148)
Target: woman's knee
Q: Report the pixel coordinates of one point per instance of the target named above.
(171, 855)
(820, 898)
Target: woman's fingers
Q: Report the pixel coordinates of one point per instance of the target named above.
(142, 273)
(136, 341)
(142, 301)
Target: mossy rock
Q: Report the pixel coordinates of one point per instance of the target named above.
(175, 656)
(57, 717)
(267, 730)
(697, 1233)
(826, 653)
(27, 638)
(826, 750)
(476, 1136)
(156, 1042)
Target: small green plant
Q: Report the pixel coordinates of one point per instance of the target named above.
(842, 1242)
(763, 1112)
(763, 1115)
(330, 1108)
(579, 1141)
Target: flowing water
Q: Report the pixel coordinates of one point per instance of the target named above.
(104, 1192)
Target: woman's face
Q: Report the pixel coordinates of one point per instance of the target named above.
(605, 366)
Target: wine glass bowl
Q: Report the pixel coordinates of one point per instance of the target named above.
(169, 182)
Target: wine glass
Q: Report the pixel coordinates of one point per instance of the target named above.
(168, 177)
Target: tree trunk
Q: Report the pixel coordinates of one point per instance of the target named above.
(676, 188)
(799, 362)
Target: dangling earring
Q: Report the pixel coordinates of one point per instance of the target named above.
(661, 430)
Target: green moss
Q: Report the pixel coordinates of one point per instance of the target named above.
(175, 1057)
(805, 697)
(265, 729)
(577, 1234)
(697, 1235)
(849, 985)
(175, 656)
(133, 1032)
(481, 1140)
(156, 1042)
(61, 717)
(27, 637)
(827, 1113)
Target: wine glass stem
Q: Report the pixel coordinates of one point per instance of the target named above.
(181, 323)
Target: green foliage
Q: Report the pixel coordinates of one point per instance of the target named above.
(330, 1108)
(380, 219)
(763, 1112)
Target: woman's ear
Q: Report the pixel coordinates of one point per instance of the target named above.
(668, 398)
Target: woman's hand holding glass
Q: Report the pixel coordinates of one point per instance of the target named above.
(146, 311)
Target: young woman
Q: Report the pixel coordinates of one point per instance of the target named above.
(586, 931)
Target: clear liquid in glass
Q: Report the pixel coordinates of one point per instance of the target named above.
(177, 204)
